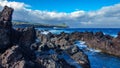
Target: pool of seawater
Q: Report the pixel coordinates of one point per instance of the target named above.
(98, 59)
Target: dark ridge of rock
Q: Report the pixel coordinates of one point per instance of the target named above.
(4, 40)
(27, 38)
(6, 18)
(15, 36)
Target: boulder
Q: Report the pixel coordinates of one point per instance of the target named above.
(82, 59)
(79, 56)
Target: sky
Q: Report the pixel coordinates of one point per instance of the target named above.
(68, 5)
(75, 13)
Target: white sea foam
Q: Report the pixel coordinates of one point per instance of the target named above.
(55, 31)
(58, 31)
(94, 50)
(114, 35)
(45, 32)
(81, 45)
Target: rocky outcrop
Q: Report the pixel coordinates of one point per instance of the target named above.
(5, 28)
(6, 18)
(20, 55)
(20, 49)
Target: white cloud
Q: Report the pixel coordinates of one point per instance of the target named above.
(13, 4)
(108, 16)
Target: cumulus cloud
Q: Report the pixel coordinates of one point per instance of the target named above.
(108, 16)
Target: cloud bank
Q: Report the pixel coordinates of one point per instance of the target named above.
(106, 17)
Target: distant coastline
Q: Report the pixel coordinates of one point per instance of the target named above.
(37, 25)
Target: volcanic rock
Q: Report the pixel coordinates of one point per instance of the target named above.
(28, 37)
(10, 57)
(20, 49)
(79, 56)
(4, 39)
(6, 18)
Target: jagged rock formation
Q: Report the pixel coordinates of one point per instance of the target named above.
(19, 49)
(5, 27)
(6, 18)
(9, 37)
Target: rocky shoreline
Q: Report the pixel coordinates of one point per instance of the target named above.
(29, 48)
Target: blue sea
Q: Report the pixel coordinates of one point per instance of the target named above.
(110, 31)
(97, 59)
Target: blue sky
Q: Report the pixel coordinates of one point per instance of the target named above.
(68, 5)
(74, 13)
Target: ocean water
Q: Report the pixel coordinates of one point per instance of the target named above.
(110, 31)
(97, 59)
